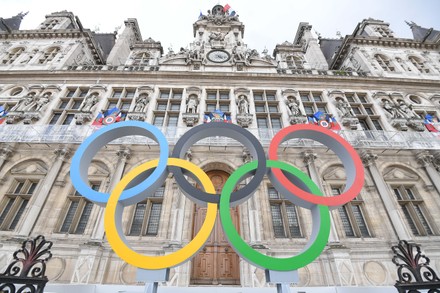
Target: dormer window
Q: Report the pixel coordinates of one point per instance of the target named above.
(384, 32)
(12, 55)
(50, 24)
(419, 64)
(49, 55)
(142, 58)
(384, 62)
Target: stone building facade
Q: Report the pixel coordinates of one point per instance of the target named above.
(381, 89)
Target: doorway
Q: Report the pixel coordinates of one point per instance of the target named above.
(217, 263)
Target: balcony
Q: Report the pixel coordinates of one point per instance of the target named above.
(75, 134)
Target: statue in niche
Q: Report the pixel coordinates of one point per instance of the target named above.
(42, 101)
(141, 103)
(243, 105)
(390, 108)
(25, 104)
(344, 108)
(191, 106)
(405, 112)
(293, 106)
(88, 103)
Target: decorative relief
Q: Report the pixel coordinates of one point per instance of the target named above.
(375, 273)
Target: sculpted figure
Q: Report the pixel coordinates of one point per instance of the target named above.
(344, 108)
(42, 101)
(25, 104)
(191, 106)
(88, 103)
(243, 105)
(141, 103)
(293, 107)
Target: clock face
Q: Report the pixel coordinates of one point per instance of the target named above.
(218, 56)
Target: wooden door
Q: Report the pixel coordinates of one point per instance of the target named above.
(217, 263)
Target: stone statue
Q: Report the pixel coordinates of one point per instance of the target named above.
(243, 105)
(25, 104)
(390, 108)
(216, 36)
(192, 103)
(405, 112)
(88, 103)
(344, 108)
(141, 103)
(238, 54)
(293, 106)
(42, 101)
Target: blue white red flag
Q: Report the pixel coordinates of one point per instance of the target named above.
(3, 114)
(325, 120)
(110, 116)
(429, 123)
(217, 116)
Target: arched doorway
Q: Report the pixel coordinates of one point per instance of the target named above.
(217, 263)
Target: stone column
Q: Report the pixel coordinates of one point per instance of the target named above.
(5, 152)
(38, 201)
(123, 154)
(427, 161)
(369, 160)
(309, 159)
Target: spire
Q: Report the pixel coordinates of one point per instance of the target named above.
(13, 23)
(422, 34)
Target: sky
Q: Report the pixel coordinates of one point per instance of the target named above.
(267, 23)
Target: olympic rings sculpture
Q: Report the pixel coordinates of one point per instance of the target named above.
(290, 182)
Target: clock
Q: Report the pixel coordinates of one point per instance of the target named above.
(218, 56)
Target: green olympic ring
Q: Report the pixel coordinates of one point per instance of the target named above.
(320, 231)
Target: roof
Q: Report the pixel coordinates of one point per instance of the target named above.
(13, 23)
(329, 47)
(423, 34)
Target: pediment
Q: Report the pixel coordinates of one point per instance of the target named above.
(98, 169)
(396, 174)
(34, 168)
(335, 173)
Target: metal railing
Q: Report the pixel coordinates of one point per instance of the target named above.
(66, 134)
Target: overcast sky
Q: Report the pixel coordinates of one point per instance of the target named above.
(267, 23)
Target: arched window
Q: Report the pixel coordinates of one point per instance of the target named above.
(384, 62)
(49, 55)
(403, 64)
(26, 178)
(294, 62)
(12, 55)
(142, 58)
(419, 64)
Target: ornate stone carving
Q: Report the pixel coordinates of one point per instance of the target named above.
(309, 157)
(297, 120)
(82, 118)
(351, 122)
(400, 124)
(30, 117)
(246, 155)
(244, 120)
(6, 151)
(137, 116)
(124, 154)
(141, 103)
(190, 119)
(425, 159)
(416, 124)
(344, 108)
(192, 104)
(368, 158)
(88, 103)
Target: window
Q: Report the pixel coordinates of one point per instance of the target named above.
(419, 64)
(218, 99)
(364, 111)
(268, 113)
(146, 216)
(121, 99)
(295, 62)
(64, 113)
(168, 110)
(142, 58)
(352, 216)
(49, 55)
(285, 221)
(78, 213)
(384, 62)
(413, 210)
(15, 202)
(384, 32)
(313, 102)
(49, 24)
(12, 55)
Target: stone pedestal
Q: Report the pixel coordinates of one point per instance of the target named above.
(240, 65)
(82, 118)
(190, 118)
(244, 120)
(400, 124)
(29, 117)
(138, 116)
(297, 120)
(351, 122)
(416, 124)
(13, 117)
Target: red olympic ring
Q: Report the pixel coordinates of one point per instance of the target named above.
(346, 153)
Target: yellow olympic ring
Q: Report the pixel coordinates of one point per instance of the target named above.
(114, 230)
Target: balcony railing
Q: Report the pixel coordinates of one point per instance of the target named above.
(66, 134)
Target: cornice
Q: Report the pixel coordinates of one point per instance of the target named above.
(208, 78)
(57, 34)
(379, 42)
